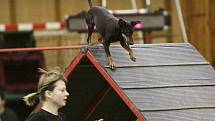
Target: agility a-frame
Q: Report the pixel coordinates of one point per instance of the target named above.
(94, 94)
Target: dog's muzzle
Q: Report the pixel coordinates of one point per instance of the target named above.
(128, 40)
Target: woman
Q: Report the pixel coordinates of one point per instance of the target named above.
(52, 95)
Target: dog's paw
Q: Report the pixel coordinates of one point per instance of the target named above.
(112, 66)
(133, 59)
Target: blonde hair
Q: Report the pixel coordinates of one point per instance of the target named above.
(46, 82)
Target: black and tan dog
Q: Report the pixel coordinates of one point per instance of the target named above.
(111, 30)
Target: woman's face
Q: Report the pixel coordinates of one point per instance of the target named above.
(59, 95)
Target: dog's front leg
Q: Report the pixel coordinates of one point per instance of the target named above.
(111, 63)
(130, 51)
(110, 60)
(131, 54)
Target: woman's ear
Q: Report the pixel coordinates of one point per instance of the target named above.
(48, 93)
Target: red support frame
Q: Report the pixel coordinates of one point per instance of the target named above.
(116, 88)
(111, 82)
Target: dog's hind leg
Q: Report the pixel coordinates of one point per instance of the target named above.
(90, 31)
(130, 51)
(90, 25)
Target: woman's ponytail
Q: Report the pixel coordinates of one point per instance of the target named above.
(31, 98)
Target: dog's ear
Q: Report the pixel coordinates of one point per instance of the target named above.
(133, 23)
(122, 23)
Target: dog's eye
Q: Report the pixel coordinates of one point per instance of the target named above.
(130, 31)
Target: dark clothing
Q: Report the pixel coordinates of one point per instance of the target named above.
(43, 115)
(8, 115)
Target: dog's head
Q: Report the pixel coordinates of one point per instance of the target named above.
(127, 29)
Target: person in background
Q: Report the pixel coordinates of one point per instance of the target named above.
(52, 95)
(6, 114)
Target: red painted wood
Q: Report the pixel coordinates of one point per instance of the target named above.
(117, 89)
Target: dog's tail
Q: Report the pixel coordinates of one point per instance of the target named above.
(90, 3)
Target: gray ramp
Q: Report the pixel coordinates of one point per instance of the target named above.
(168, 82)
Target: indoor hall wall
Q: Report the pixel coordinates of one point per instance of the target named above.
(124, 4)
(73, 7)
(198, 25)
(174, 30)
(31, 11)
(212, 30)
(5, 11)
(35, 11)
(59, 58)
(172, 34)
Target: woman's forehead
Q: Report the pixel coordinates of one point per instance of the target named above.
(60, 83)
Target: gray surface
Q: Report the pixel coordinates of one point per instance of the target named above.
(150, 55)
(163, 76)
(181, 115)
(169, 82)
(172, 98)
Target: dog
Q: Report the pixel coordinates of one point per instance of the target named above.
(110, 29)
